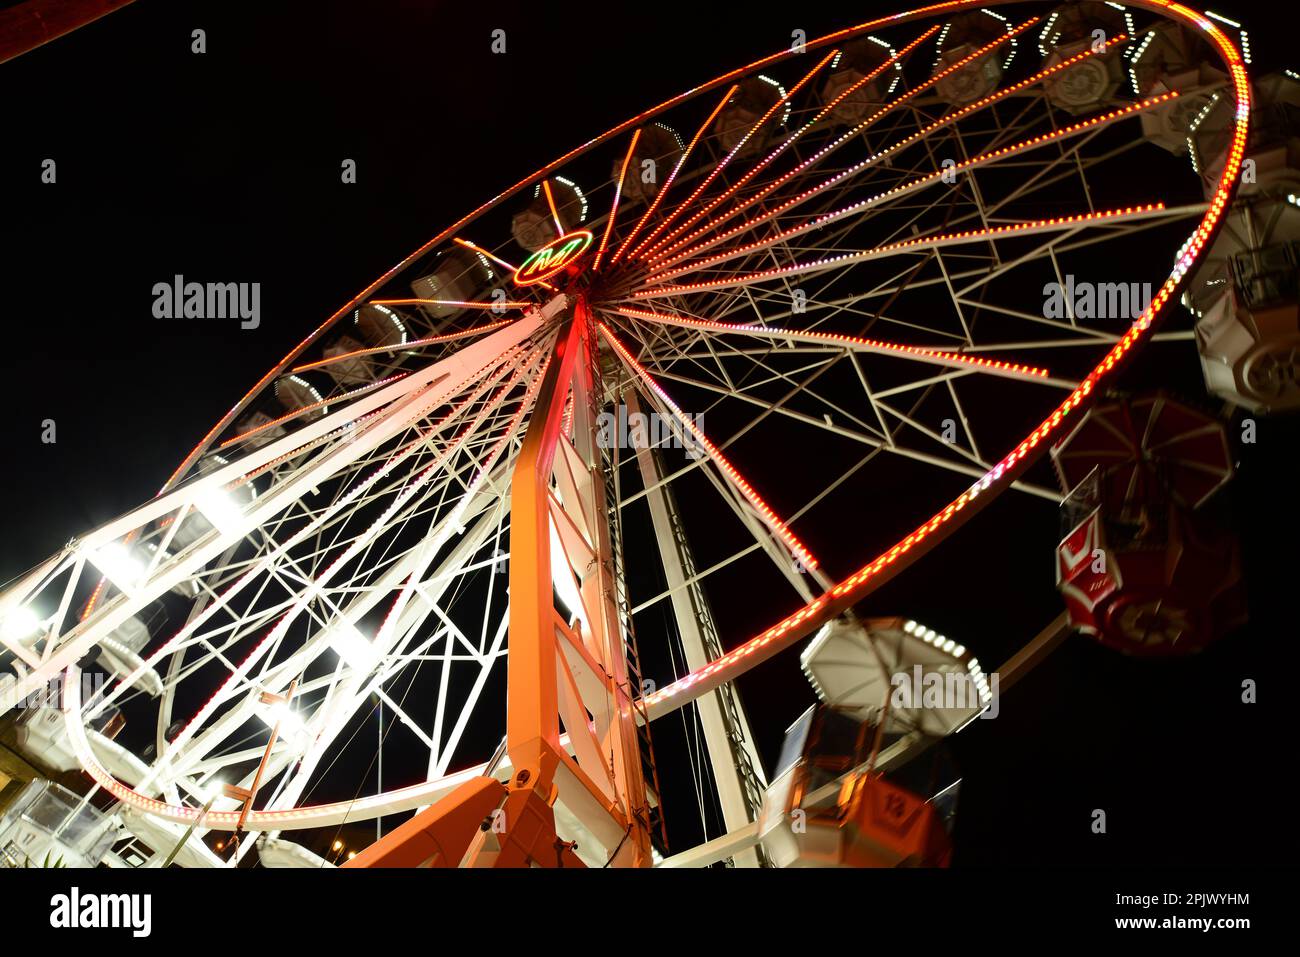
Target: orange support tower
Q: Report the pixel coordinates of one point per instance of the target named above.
(561, 667)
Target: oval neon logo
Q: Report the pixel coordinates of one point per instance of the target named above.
(553, 257)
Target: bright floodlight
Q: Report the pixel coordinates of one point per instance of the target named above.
(209, 790)
(20, 624)
(349, 644)
(219, 508)
(292, 725)
(117, 562)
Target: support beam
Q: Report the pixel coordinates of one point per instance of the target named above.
(726, 731)
(536, 694)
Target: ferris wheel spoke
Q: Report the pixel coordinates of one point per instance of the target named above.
(403, 347)
(932, 355)
(479, 250)
(266, 563)
(455, 304)
(662, 191)
(884, 438)
(965, 462)
(431, 592)
(802, 390)
(618, 193)
(298, 413)
(1077, 240)
(868, 436)
(924, 244)
(898, 192)
(848, 137)
(555, 213)
(716, 171)
(387, 633)
(763, 510)
(1080, 133)
(329, 717)
(897, 56)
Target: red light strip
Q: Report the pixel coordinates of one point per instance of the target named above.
(769, 517)
(722, 163)
(413, 344)
(919, 242)
(618, 193)
(927, 535)
(920, 353)
(659, 195)
(948, 119)
(927, 180)
(787, 143)
(451, 302)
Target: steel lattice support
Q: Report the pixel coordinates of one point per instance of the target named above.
(737, 770)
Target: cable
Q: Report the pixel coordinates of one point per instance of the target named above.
(619, 848)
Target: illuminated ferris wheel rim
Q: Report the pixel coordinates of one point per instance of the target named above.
(845, 593)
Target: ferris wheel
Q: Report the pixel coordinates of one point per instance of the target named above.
(804, 283)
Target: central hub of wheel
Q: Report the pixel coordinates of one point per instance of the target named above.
(553, 258)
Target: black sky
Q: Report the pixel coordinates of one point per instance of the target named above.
(225, 166)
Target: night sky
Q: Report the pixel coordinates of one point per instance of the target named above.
(226, 166)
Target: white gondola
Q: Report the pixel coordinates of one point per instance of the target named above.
(657, 152)
(1244, 293)
(1092, 83)
(848, 71)
(372, 326)
(1273, 151)
(958, 40)
(933, 682)
(534, 226)
(49, 826)
(735, 123)
(1170, 57)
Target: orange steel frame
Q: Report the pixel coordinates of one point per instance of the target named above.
(493, 825)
